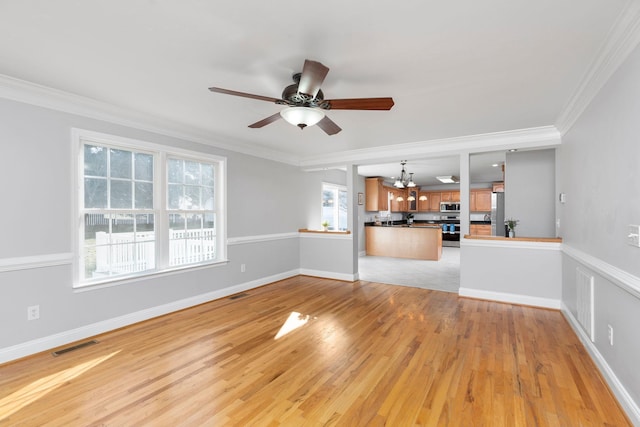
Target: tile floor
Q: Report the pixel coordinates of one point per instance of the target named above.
(443, 275)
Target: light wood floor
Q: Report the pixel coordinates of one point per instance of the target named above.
(361, 354)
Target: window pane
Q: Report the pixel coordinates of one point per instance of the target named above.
(207, 198)
(95, 161)
(192, 198)
(207, 175)
(120, 164)
(95, 193)
(175, 196)
(144, 167)
(121, 197)
(144, 223)
(144, 195)
(175, 171)
(94, 223)
(194, 222)
(122, 224)
(191, 172)
(342, 212)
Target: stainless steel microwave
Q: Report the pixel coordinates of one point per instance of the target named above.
(449, 207)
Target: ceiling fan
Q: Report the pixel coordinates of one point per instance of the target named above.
(305, 101)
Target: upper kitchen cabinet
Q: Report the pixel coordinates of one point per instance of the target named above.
(412, 199)
(423, 201)
(450, 196)
(377, 195)
(434, 201)
(398, 200)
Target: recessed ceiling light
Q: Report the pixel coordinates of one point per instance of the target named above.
(449, 179)
(495, 165)
(513, 150)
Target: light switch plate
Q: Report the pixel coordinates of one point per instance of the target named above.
(633, 238)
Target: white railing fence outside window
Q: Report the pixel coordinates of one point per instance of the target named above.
(134, 252)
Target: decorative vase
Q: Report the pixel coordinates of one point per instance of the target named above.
(325, 227)
(512, 233)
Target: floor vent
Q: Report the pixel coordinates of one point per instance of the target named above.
(584, 293)
(236, 296)
(74, 347)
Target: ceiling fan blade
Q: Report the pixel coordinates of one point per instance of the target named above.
(266, 121)
(360, 104)
(313, 74)
(246, 95)
(329, 126)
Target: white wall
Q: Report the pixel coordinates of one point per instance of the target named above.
(36, 216)
(530, 186)
(597, 167)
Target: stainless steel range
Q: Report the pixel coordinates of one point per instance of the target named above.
(450, 230)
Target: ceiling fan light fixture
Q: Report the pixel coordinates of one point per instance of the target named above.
(302, 116)
(448, 179)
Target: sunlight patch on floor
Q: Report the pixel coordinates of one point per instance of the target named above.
(39, 388)
(293, 322)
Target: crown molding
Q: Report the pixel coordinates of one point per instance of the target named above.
(43, 96)
(540, 137)
(622, 39)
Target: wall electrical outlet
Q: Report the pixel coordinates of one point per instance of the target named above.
(33, 312)
(610, 334)
(633, 237)
(243, 268)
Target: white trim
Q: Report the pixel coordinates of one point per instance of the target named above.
(630, 407)
(544, 136)
(327, 235)
(42, 96)
(510, 298)
(620, 42)
(36, 261)
(618, 277)
(329, 275)
(261, 238)
(510, 244)
(46, 343)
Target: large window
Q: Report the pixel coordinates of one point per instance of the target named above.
(334, 206)
(145, 208)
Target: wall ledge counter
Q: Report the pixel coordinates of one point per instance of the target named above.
(515, 239)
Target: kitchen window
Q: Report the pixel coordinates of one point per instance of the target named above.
(334, 206)
(145, 208)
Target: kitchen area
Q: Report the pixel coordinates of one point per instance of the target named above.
(402, 216)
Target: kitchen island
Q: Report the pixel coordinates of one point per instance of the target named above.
(401, 241)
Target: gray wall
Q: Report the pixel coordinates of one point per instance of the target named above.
(530, 186)
(36, 182)
(598, 170)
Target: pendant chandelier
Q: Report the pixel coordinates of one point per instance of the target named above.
(404, 180)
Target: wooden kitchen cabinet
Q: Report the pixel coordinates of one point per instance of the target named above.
(480, 200)
(423, 205)
(399, 205)
(498, 187)
(450, 196)
(480, 229)
(376, 195)
(412, 205)
(434, 202)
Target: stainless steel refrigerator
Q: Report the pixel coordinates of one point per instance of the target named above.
(497, 214)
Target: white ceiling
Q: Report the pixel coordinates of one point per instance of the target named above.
(453, 68)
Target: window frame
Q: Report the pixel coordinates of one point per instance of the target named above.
(161, 154)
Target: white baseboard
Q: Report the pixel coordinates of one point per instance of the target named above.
(46, 343)
(329, 275)
(630, 407)
(510, 298)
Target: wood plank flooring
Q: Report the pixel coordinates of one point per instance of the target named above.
(347, 354)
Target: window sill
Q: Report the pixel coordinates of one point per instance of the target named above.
(306, 230)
